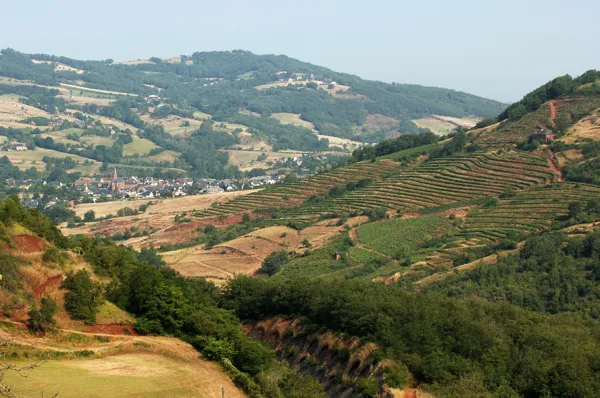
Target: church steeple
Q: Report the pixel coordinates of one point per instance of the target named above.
(113, 183)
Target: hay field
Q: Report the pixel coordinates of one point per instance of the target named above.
(173, 124)
(245, 254)
(586, 128)
(340, 142)
(246, 160)
(168, 206)
(97, 90)
(293, 118)
(140, 146)
(59, 67)
(26, 159)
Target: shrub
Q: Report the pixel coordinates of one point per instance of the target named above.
(54, 255)
(41, 318)
(89, 216)
(274, 262)
(84, 298)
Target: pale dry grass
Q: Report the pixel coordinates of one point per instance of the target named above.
(97, 90)
(341, 142)
(586, 128)
(293, 118)
(59, 67)
(244, 255)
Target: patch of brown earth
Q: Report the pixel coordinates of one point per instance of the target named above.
(112, 329)
(28, 244)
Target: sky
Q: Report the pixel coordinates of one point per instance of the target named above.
(495, 49)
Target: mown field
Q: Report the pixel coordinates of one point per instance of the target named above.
(125, 375)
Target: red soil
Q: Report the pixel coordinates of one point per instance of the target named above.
(112, 329)
(28, 244)
(39, 290)
(410, 393)
(552, 113)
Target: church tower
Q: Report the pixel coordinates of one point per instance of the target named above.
(113, 184)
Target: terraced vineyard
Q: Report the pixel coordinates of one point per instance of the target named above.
(529, 211)
(543, 118)
(442, 181)
(294, 194)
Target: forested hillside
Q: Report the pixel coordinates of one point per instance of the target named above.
(224, 83)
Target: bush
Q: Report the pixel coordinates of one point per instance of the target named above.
(84, 298)
(274, 262)
(89, 216)
(41, 318)
(53, 255)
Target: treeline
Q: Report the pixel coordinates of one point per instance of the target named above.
(454, 347)
(38, 97)
(558, 87)
(553, 273)
(405, 141)
(222, 83)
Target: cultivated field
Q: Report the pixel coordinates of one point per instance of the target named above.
(245, 254)
(293, 118)
(390, 236)
(294, 194)
(72, 86)
(27, 159)
(443, 181)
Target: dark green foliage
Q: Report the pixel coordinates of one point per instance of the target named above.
(89, 216)
(403, 142)
(551, 274)
(55, 256)
(12, 211)
(274, 262)
(377, 213)
(442, 341)
(84, 297)
(40, 319)
(588, 172)
(531, 102)
(8, 269)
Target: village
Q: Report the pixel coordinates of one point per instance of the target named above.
(103, 189)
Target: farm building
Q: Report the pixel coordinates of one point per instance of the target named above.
(544, 136)
(19, 147)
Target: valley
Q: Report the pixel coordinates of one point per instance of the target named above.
(276, 229)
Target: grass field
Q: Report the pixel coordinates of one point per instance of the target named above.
(140, 146)
(388, 236)
(126, 375)
(293, 118)
(72, 86)
(27, 159)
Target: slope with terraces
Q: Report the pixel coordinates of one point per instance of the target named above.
(528, 212)
(295, 193)
(442, 181)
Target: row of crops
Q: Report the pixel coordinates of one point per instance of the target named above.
(443, 181)
(294, 194)
(567, 109)
(528, 212)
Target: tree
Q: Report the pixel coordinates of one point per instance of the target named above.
(84, 298)
(89, 216)
(274, 262)
(41, 318)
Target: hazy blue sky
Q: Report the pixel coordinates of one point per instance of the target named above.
(496, 49)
